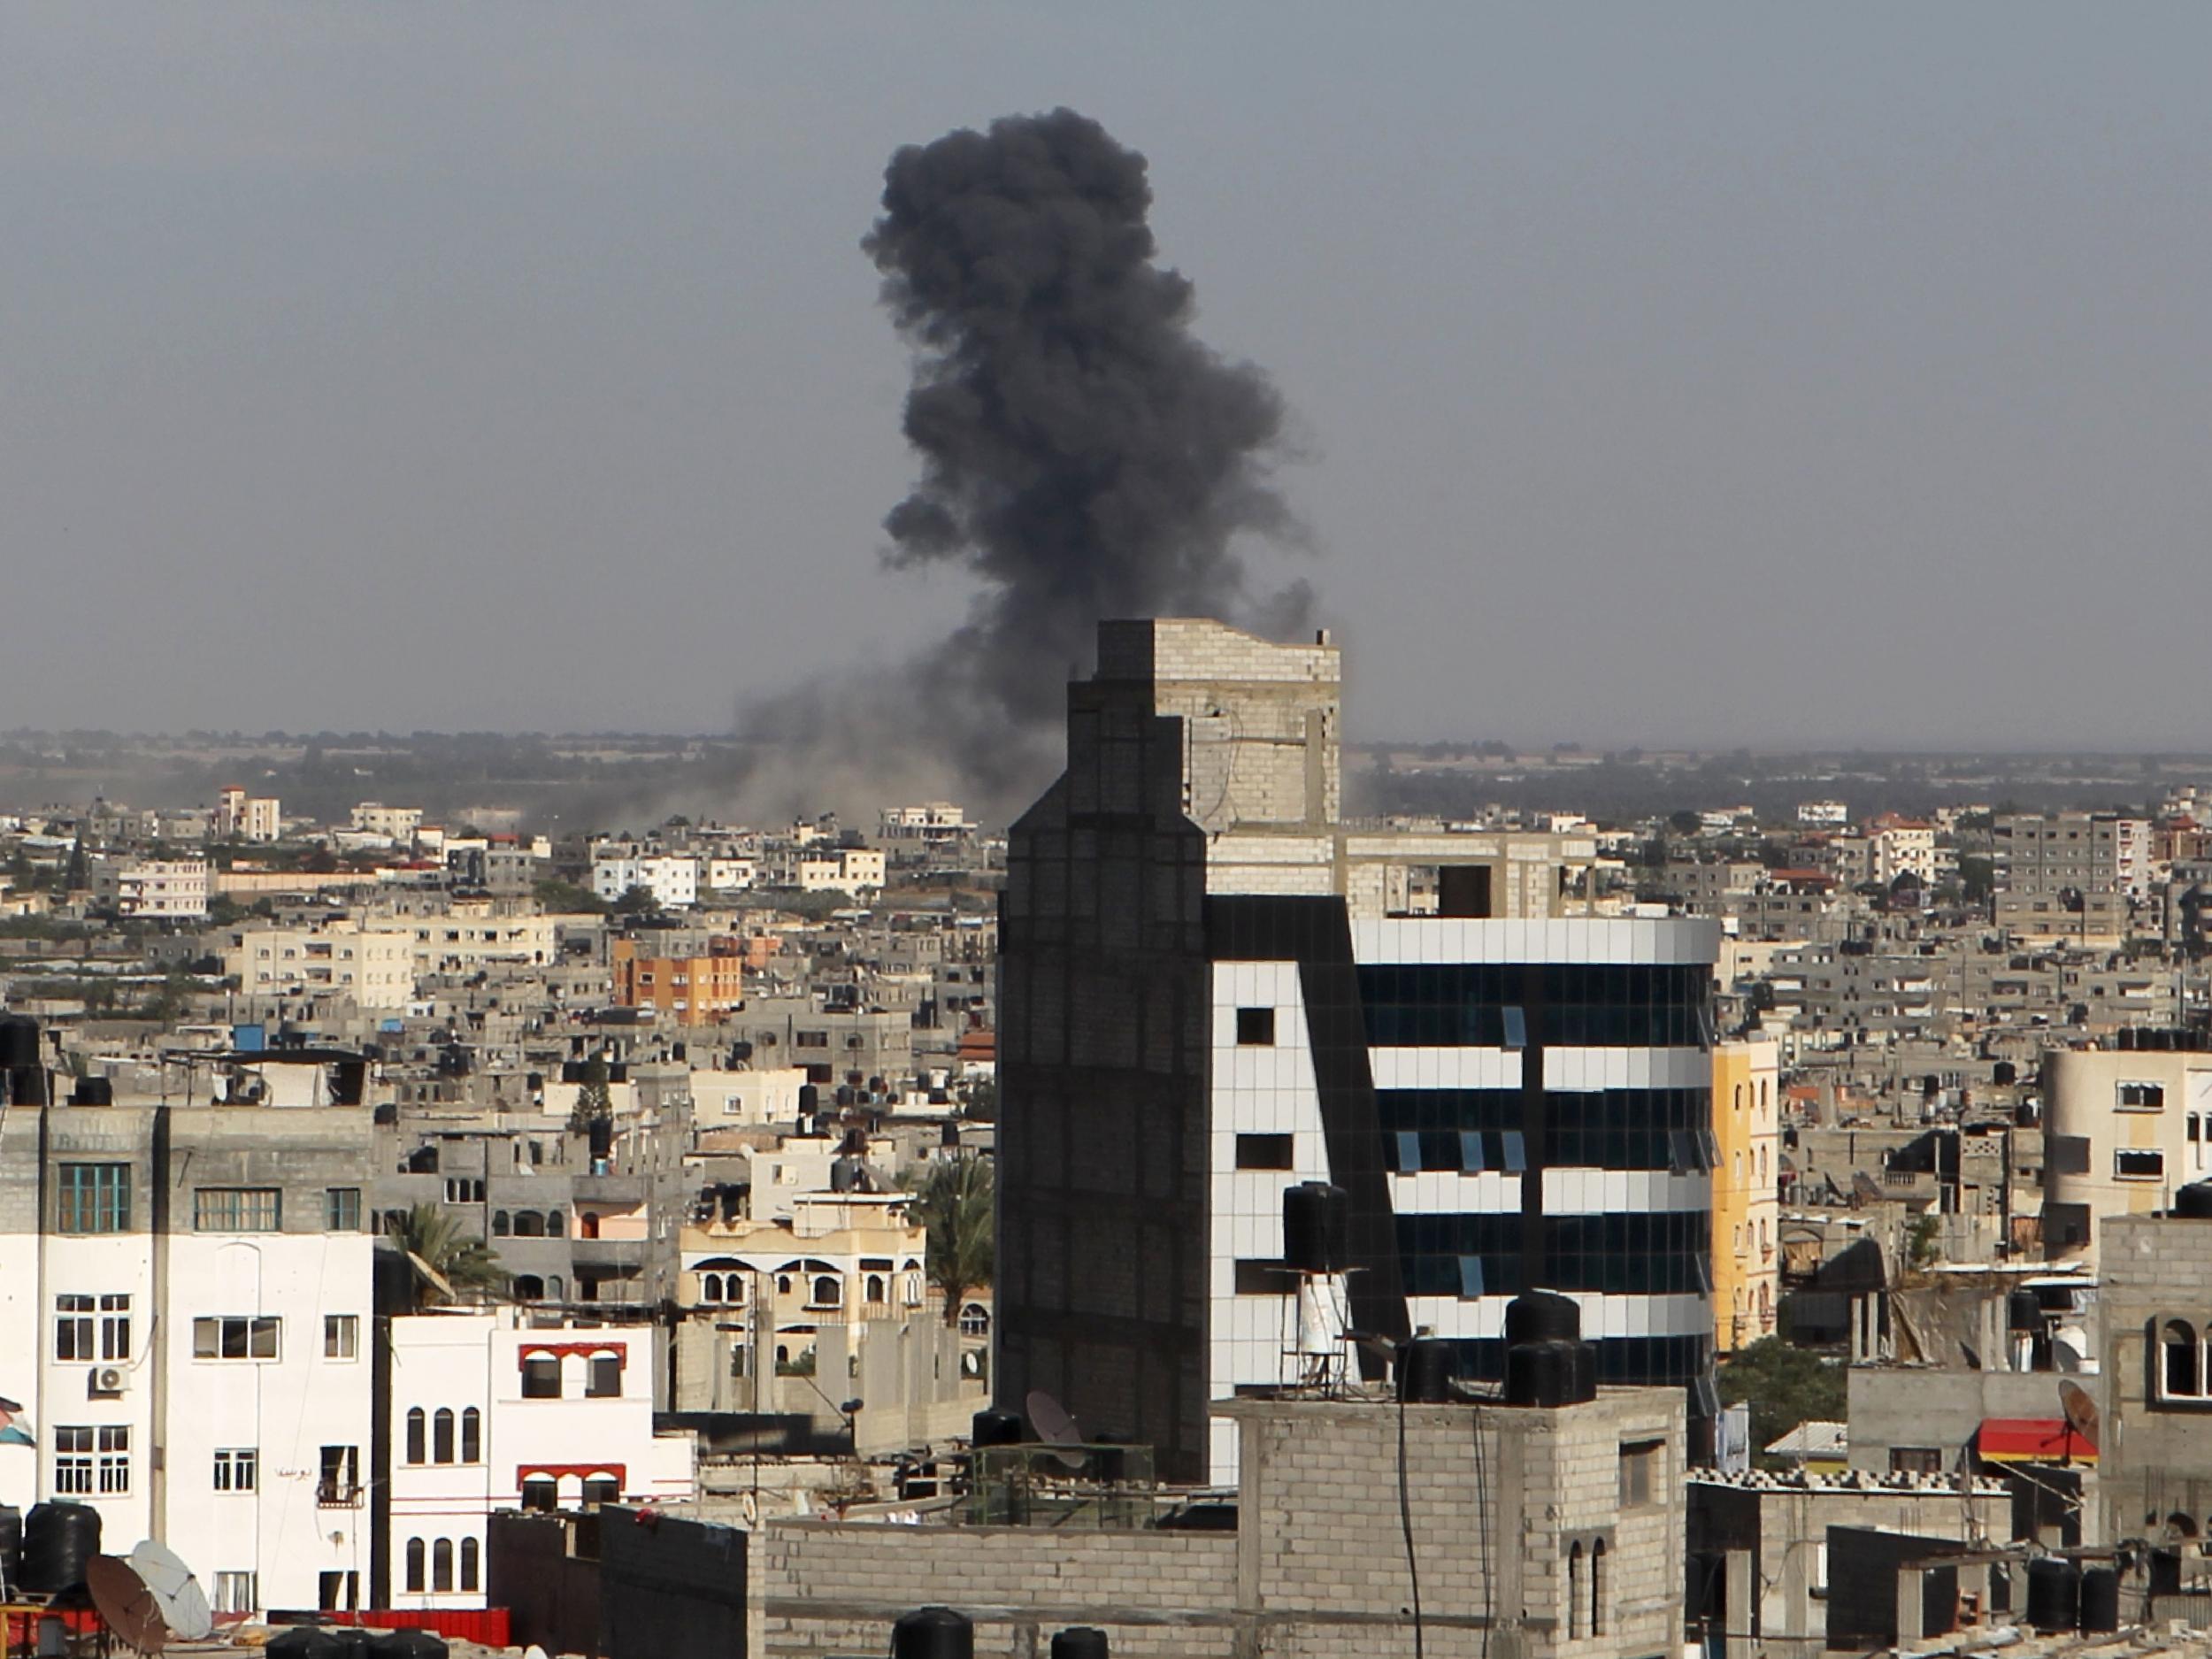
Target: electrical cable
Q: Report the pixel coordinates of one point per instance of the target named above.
(1405, 1515)
(1482, 1528)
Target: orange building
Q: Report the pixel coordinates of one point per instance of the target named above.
(692, 990)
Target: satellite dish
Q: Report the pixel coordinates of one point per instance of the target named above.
(431, 1276)
(177, 1595)
(2081, 1411)
(125, 1604)
(1054, 1427)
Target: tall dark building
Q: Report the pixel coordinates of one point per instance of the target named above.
(1213, 987)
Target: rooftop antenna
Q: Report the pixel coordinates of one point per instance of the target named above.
(2080, 1410)
(1056, 1428)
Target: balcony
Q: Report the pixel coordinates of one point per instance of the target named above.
(334, 1494)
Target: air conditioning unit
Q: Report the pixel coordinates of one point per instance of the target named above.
(109, 1379)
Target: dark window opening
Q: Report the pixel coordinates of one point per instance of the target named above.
(1263, 1152)
(1255, 1027)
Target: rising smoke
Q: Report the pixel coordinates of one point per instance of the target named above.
(1083, 455)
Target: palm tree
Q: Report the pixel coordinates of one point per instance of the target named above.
(435, 1239)
(954, 1201)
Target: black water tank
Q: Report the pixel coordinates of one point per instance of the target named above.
(1316, 1227)
(993, 1427)
(571, 1070)
(93, 1091)
(932, 1632)
(2053, 1593)
(407, 1644)
(1425, 1369)
(18, 1042)
(1586, 1374)
(1083, 1641)
(59, 1541)
(11, 1551)
(2004, 1073)
(809, 1099)
(26, 1086)
(2194, 1201)
(2101, 1599)
(2125, 1039)
(2023, 1311)
(1542, 1316)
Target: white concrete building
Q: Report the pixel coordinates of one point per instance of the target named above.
(395, 823)
(372, 963)
(848, 869)
(504, 1409)
(175, 888)
(206, 1385)
(730, 873)
(672, 880)
(770, 1096)
(242, 816)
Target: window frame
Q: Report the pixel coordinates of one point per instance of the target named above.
(238, 1210)
(92, 1197)
(341, 1336)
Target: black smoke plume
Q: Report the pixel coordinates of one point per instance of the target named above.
(1083, 454)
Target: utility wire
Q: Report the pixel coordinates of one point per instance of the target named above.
(1405, 1516)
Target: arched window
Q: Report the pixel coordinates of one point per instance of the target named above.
(783, 1284)
(529, 1288)
(2181, 1375)
(588, 1224)
(1739, 1169)
(555, 1289)
(1597, 1587)
(1574, 1590)
(472, 1440)
(975, 1320)
(415, 1424)
(442, 1566)
(1763, 1164)
(826, 1292)
(1739, 1097)
(711, 1287)
(556, 1224)
(414, 1564)
(875, 1287)
(914, 1290)
(529, 1224)
(441, 1436)
(469, 1559)
(499, 1224)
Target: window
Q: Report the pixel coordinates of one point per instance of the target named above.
(338, 1487)
(72, 1462)
(1597, 1587)
(337, 1592)
(2139, 1164)
(601, 1489)
(459, 1189)
(441, 1436)
(2181, 1370)
(1574, 1589)
(1640, 1482)
(2142, 1097)
(469, 1556)
(417, 1433)
(115, 1327)
(501, 1226)
(115, 1459)
(472, 1444)
(236, 1593)
(1255, 1027)
(1914, 1460)
(94, 1198)
(415, 1555)
(442, 1566)
(542, 1378)
(711, 1287)
(1263, 1278)
(811, 1040)
(605, 1380)
(539, 1493)
(235, 1337)
(236, 1209)
(1263, 1152)
(341, 1210)
(238, 1469)
(72, 1328)
(341, 1336)
(825, 1293)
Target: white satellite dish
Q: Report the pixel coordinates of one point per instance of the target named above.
(183, 1604)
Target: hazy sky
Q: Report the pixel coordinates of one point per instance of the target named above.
(1673, 373)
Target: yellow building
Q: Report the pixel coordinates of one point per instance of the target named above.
(1746, 1106)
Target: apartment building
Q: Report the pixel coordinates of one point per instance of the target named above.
(172, 889)
(242, 816)
(394, 824)
(672, 879)
(690, 989)
(1747, 1206)
(854, 869)
(1211, 989)
(2123, 1129)
(373, 965)
(187, 1322)
(2069, 874)
(510, 1408)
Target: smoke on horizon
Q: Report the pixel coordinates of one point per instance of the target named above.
(1083, 455)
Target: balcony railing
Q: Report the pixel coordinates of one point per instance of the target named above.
(331, 1494)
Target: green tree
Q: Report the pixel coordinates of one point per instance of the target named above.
(1785, 1385)
(637, 901)
(1686, 822)
(955, 1202)
(436, 1239)
(1978, 876)
(565, 898)
(593, 1101)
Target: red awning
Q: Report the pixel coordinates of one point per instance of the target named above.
(2031, 1441)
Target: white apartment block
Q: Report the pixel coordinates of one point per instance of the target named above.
(849, 870)
(175, 888)
(725, 874)
(373, 964)
(672, 880)
(509, 1407)
(242, 816)
(393, 823)
(935, 823)
(206, 1385)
